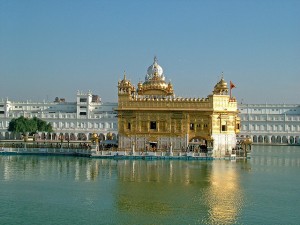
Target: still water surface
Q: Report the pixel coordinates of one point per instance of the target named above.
(70, 190)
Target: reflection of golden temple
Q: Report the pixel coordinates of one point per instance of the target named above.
(153, 117)
(225, 197)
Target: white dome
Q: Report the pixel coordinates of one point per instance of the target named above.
(155, 68)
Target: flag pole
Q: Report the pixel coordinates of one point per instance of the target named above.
(231, 86)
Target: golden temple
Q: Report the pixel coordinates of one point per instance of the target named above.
(151, 118)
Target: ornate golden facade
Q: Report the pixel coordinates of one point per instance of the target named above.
(151, 118)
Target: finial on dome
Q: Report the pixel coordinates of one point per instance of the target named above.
(222, 76)
(124, 75)
(155, 59)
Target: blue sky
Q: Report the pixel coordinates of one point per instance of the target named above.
(54, 48)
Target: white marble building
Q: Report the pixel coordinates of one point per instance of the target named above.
(76, 120)
(270, 123)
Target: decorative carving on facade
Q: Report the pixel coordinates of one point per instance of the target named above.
(158, 118)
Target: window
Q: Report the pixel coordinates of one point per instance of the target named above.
(153, 125)
(238, 126)
(82, 113)
(128, 126)
(223, 127)
(83, 100)
(192, 126)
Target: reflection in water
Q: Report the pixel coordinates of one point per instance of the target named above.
(72, 190)
(43, 167)
(209, 192)
(277, 157)
(157, 188)
(224, 197)
(197, 192)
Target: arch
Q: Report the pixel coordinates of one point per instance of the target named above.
(101, 137)
(292, 140)
(72, 137)
(60, 137)
(67, 136)
(55, 136)
(278, 139)
(197, 139)
(48, 137)
(255, 139)
(7, 136)
(109, 136)
(198, 143)
(13, 136)
(285, 140)
(266, 139)
(43, 136)
(297, 140)
(273, 139)
(1, 136)
(81, 137)
(114, 136)
(260, 139)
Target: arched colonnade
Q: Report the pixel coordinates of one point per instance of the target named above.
(55, 136)
(272, 139)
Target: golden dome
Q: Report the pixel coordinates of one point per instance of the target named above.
(221, 87)
(125, 85)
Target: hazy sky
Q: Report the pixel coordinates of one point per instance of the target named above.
(54, 48)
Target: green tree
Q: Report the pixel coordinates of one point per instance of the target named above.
(25, 125)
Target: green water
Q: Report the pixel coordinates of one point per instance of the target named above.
(69, 190)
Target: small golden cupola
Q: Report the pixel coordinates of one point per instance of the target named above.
(125, 86)
(221, 87)
(155, 83)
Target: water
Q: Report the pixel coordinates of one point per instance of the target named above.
(69, 190)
